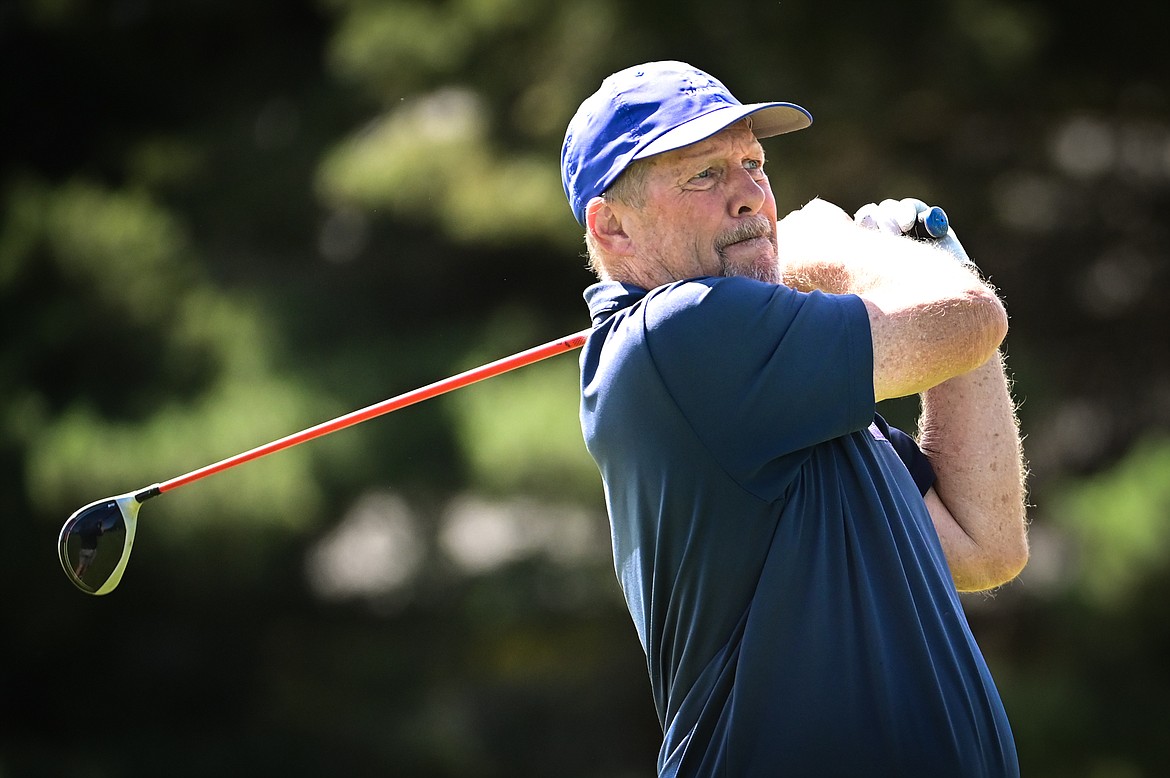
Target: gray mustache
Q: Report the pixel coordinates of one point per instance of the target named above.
(757, 228)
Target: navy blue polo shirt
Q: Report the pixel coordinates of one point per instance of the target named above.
(777, 558)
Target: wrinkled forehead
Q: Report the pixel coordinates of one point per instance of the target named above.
(736, 139)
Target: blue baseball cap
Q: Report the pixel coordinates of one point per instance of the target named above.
(649, 109)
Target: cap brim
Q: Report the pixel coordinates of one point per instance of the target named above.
(768, 119)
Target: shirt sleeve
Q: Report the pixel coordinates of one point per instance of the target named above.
(762, 372)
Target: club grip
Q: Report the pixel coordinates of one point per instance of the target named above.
(932, 224)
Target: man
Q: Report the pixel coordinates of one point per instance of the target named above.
(790, 561)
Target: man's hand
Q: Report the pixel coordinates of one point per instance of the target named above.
(898, 217)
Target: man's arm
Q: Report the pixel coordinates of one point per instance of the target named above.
(936, 329)
(969, 432)
(930, 318)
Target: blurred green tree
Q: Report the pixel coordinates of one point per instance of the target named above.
(223, 222)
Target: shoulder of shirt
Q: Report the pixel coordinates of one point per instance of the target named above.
(712, 296)
(704, 303)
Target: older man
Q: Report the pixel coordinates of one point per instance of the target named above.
(791, 562)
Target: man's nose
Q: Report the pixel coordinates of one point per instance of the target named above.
(748, 194)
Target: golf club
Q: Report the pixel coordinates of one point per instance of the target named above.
(95, 543)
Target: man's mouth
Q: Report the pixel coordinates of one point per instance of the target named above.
(746, 234)
(755, 244)
(748, 241)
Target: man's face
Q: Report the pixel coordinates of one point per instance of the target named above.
(708, 211)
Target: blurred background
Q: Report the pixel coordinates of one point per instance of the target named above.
(226, 221)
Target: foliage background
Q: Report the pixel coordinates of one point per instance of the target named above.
(223, 222)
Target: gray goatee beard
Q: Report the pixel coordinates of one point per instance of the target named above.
(760, 270)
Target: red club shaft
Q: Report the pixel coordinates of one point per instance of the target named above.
(535, 354)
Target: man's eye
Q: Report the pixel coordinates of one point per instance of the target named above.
(753, 164)
(702, 176)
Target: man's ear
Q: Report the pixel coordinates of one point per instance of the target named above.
(605, 226)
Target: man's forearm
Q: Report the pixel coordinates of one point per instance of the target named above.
(837, 256)
(930, 318)
(969, 431)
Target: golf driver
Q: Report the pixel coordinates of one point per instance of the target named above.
(94, 545)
